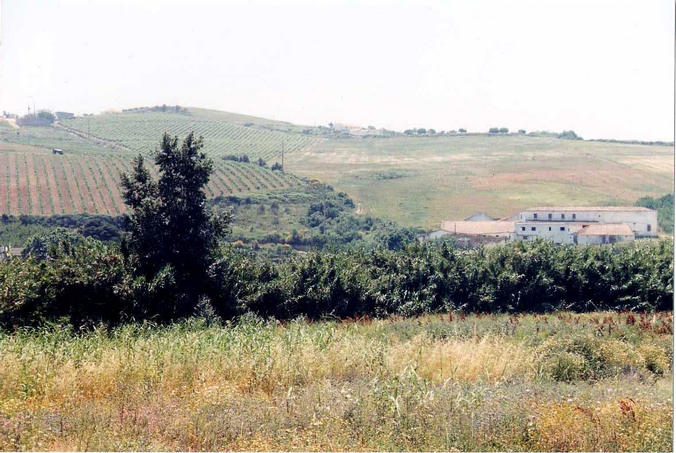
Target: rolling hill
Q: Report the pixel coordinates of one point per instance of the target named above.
(423, 180)
(416, 181)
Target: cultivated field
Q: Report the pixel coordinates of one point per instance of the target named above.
(598, 381)
(423, 180)
(139, 132)
(34, 181)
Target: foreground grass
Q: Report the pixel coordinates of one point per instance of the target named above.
(600, 381)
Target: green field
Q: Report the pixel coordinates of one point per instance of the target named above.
(139, 132)
(417, 181)
(590, 382)
(423, 180)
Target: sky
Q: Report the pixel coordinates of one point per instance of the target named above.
(602, 68)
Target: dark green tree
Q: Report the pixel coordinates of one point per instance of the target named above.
(171, 238)
(46, 116)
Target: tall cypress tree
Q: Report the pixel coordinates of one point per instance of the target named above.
(171, 236)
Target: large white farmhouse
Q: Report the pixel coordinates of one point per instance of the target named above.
(568, 225)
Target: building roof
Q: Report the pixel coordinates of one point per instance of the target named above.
(590, 208)
(477, 227)
(606, 229)
(480, 216)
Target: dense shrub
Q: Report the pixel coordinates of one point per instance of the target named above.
(88, 281)
(519, 277)
(82, 283)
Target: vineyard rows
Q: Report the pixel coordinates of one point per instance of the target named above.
(142, 132)
(46, 184)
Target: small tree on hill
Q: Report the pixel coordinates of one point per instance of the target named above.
(171, 237)
(46, 116)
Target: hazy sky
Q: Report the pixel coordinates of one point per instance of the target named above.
(602, 68)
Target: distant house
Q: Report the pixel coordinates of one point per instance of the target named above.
(564, 224)
(57, 151)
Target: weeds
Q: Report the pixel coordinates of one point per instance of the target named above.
(492, 382)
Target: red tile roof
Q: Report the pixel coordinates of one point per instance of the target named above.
(607, 229)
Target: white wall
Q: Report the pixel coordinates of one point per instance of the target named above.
(546, 230)
(638, 221)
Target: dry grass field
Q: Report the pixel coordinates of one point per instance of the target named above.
(597, 381)
(423, 180)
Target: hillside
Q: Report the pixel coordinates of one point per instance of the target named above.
(423, 180)
(86, 177)
(417, 181)
(223, 133)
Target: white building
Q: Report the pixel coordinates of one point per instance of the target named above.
(566, 225)
(558, 232)
(641, 221)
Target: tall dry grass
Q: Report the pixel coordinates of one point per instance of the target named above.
(477, 383)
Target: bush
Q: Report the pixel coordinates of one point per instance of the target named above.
(567, 366)
(85, 283)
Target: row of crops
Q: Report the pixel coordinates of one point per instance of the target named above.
(140, 132)
(44, 184)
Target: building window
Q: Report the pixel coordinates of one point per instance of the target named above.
(649, 227)
(562, 228)
(549, 216)
(550, 228)
(535, 215)
(563, 216)
(574, 217)
(523, 228)
(532, 228)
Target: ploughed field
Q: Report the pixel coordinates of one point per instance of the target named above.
(596, 381)
(86, 177)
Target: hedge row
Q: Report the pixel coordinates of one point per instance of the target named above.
(89, 282)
